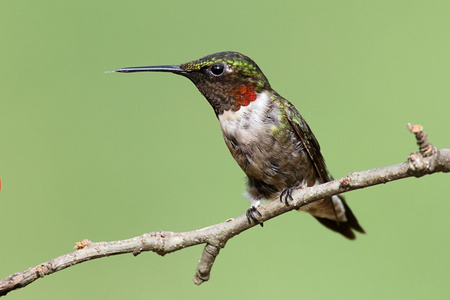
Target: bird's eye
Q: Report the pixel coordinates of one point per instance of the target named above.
(217, 69)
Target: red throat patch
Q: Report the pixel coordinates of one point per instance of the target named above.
(244, 94)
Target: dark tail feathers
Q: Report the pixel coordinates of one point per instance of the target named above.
(344, 228)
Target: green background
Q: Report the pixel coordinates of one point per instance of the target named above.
(86, 154)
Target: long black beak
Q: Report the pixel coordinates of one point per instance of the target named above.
(173, 69)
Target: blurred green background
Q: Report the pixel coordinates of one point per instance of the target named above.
(86, 154)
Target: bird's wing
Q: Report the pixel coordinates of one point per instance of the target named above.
(308, 140)
(312, 147)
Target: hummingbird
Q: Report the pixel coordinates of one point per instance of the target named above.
(265, 134)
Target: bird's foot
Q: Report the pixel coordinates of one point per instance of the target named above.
(250, 214)
(287, 195)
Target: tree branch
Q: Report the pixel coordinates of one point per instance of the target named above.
(428, 161)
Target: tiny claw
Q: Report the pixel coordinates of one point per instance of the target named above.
(282, 194)
(287, 194)
(250, 214)
(256, 211)
(247, 214)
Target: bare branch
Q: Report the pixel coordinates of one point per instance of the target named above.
(427, 161)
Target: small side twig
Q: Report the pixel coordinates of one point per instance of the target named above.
(425, 147)
(205, 264)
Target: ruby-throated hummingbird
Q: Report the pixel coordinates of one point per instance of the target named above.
(265, 134)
